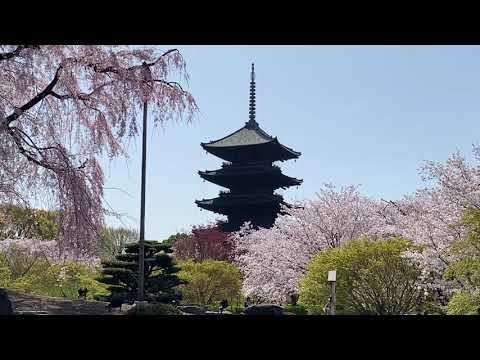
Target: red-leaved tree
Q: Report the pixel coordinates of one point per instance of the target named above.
(61, 109)
(204, 242)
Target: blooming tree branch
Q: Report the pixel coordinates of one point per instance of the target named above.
(63, 107)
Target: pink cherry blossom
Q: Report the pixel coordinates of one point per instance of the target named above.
(62, 108)
(273, 260)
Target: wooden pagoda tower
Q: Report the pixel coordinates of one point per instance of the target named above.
(249, 174)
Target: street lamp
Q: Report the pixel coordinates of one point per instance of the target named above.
(332, 279)
(141, 244)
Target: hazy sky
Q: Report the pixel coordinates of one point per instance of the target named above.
(365, 115)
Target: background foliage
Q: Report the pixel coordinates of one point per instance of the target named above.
(373, 277)
(209, 282)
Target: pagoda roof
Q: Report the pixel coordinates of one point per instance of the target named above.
(250, 139)
(226, 202)
(249, 135)
(224, 176)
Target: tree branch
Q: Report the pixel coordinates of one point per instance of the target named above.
(39, 97)
(396, 205)
(111, 69)
(16, 52)
(32, 143)
(164, 54)
(170, 83)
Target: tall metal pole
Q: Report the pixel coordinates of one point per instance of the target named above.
(332, 278)
(141, 244)
(332, 305)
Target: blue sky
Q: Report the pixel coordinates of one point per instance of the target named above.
(365, 115)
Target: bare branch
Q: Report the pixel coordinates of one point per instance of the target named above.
(161, 56)
(170, 83)
(396, 205)
(32, 143)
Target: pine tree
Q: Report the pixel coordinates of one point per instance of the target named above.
(121, 274)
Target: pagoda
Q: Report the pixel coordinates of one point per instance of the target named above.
(249, 174)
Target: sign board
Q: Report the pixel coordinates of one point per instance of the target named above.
(332, 275)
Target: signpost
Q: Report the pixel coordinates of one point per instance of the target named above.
(332, 279)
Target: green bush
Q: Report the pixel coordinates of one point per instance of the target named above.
(296, 309)
(373, 277)
(154, 309)
(53, 280)
(209, 282)
(464, 303)
(466, 266)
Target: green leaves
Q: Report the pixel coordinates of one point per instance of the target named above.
(209, 281)
(55, 280)
(464, 303)
(27, 223)
(373, 277)
(160, 279)
(465, 268)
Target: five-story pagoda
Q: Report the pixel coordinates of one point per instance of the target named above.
(249, 174)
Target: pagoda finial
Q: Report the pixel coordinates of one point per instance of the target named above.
(251, 112)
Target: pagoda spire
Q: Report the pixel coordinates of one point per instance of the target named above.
(249, 174)
(251, 122)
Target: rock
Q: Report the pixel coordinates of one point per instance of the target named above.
(28, 304)
(264, 309)
(6, 307)
(193, 310)
(217, 313)
(32, 313)
(126, 307)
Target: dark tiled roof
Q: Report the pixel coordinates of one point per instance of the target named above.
(247, 135)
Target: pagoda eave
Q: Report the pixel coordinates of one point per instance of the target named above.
(227, 180)
(227, 203)
(268, 151)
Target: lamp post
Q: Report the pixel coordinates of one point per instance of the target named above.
(141, 244)
(332, 279)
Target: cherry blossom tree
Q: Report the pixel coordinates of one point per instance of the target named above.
(64, 107)
(204, 242)
(273, 260)
(432, 221)
(432, 216)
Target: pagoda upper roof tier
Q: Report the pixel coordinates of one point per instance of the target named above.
(229, 175)
(239, 145)
(228, 203)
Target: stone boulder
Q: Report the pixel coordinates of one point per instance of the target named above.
(28, 304)
(193, 310)
(225, 312)
(264, 309)
(6, 307)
